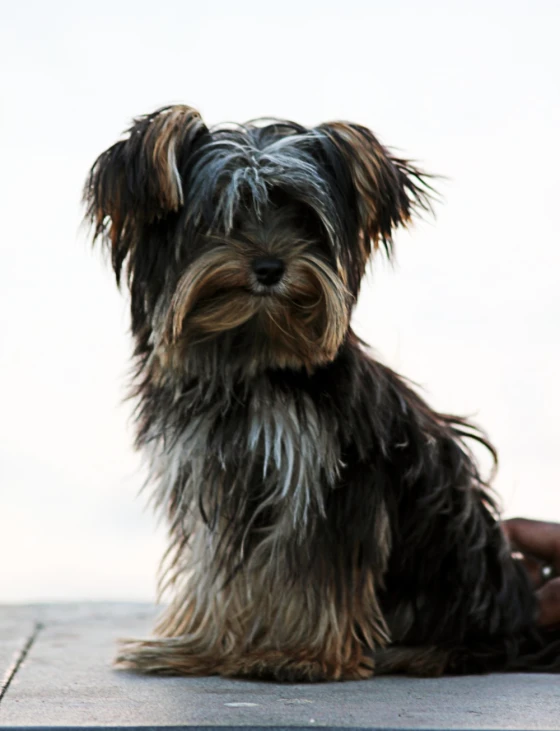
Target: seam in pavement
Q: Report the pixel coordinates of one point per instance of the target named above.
(18, 660)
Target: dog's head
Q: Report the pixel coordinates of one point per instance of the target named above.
(247, 241)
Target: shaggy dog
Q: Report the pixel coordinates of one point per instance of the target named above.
(324, 522)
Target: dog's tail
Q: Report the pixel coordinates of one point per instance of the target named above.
(535, 650)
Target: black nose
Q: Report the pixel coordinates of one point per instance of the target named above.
(268, 270)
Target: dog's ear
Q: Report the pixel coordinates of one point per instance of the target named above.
(138, 180)
(385, 190)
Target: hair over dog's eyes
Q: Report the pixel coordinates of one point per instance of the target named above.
(345, 186)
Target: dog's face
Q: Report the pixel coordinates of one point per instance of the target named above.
(248, 243)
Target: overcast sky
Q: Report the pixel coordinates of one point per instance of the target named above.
(470, 312)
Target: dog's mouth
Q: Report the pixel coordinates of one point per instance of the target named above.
(279, 289)
(253, 290)
(302, 318)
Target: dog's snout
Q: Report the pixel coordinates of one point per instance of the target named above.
(268, 270)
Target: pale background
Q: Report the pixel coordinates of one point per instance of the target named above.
(471, 311)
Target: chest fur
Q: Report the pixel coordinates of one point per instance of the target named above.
(264, 464)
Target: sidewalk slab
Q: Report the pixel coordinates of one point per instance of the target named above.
(66, 680)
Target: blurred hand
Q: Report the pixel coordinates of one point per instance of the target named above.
(538, 542)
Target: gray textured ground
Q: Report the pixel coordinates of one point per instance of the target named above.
(56, 661)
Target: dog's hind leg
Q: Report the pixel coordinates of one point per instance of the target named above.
(427, 661)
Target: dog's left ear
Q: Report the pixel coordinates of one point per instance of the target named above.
(386, 190)
(138, 180)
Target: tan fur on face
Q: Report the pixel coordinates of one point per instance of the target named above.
(304, 322)
(210, 297)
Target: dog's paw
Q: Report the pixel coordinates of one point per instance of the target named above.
(172, 656)
(361, 670)
(285, 668)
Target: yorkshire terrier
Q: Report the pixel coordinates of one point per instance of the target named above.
(324, 522)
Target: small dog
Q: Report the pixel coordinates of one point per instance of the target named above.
(324, 522)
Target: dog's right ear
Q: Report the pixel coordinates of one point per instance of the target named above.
(137, 180)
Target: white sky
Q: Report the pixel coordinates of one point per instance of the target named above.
(471, 312)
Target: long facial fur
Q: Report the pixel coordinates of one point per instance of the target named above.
(157, 197)
(321, 516)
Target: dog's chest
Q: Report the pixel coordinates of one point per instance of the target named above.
(276, 452)
(295, 450)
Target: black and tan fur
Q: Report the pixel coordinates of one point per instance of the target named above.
(324, 522)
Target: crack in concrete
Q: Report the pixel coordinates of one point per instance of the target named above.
(18, 660)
